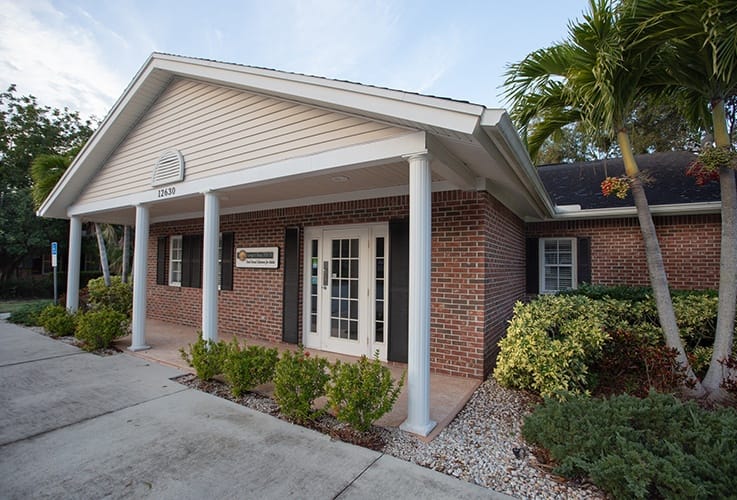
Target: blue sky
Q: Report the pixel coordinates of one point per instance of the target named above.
(81, 54)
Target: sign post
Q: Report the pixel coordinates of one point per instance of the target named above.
(54, 258)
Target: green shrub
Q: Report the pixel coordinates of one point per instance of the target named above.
(696, 314)
(57, 321)
(298, 381)
(28, 314)
(360, 393)
(118, 296)
(245, 368)
(640, 448)
(98, 328)
(206, 357)
(617, 292)
(550, 344)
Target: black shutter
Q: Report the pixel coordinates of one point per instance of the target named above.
(192, 260)
(398, 290)
(290, 312)
(584, 260)
(533, 265)
(186, 259)
(196, 263)
(226, 267)
(161, 260)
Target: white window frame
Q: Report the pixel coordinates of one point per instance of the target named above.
(542, 265)
(172, 239)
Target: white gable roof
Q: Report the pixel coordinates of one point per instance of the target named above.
(506, 160)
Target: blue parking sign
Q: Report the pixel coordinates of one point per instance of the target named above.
(54, 248)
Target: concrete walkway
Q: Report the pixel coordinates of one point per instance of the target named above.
(75, 425)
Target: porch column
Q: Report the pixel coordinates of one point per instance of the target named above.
(210, 267)
(140, 261)
(418, 362)
(75, 253)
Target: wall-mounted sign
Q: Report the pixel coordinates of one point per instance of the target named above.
(264, 257)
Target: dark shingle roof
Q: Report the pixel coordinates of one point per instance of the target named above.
(580, 183)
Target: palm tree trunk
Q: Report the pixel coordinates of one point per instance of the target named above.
(724, 336)
(656, 267)
(103, 254)
(126, 252)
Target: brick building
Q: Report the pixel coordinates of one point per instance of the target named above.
(346, 217)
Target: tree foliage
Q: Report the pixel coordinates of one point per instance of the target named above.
(595, 78)
(28, 130)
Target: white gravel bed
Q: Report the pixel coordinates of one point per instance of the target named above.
(481, 446)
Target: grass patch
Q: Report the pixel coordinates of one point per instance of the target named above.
(11, 306)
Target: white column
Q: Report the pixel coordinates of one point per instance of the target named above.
(75, 253)
(210, 268)
(140, 276)
(420, 240)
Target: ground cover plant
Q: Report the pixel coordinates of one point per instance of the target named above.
(25, 312)
(654, 447)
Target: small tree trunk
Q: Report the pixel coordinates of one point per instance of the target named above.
(655, 266)
(724, 336)
(126, 251)
(103, 254)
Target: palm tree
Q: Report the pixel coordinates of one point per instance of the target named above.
(697, 42)
(46, 170)
(595, 78)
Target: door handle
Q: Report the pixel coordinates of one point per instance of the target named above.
(325, 272)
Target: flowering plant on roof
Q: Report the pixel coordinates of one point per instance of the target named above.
(706, 167)
(618, 186)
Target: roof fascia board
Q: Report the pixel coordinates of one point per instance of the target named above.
(357, 156)
(46, 209)
(331, 94)
(498, 136)
(709, 207)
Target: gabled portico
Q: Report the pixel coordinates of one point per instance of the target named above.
(254, 141)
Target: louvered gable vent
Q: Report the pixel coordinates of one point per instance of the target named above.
(169, 168)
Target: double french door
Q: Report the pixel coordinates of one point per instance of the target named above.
(345, 288)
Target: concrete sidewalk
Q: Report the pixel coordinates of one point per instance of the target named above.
(77, 425)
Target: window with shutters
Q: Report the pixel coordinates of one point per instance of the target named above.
(185, 263)
(175, 261)
(557, 264)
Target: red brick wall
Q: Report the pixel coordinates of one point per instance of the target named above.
(504, 235)
(690, 247)
(470, 231)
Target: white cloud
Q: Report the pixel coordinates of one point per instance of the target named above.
(46, 54)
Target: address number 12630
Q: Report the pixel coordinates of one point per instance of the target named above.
(167, 191)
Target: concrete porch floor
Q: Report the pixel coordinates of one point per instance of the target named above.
(448, 395)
